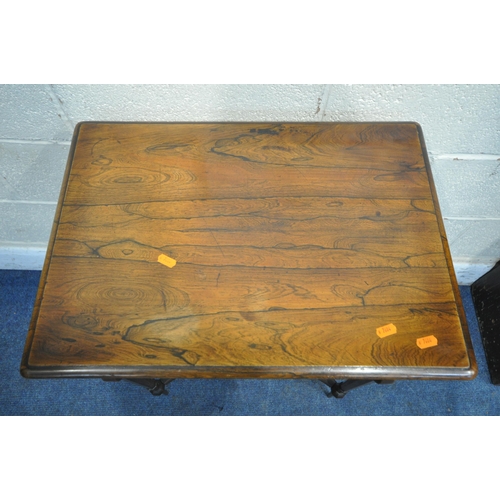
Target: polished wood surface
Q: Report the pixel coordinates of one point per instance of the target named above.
(248, 250)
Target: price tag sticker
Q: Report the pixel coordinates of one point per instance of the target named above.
(425, 342)
(166, 260)
(386, 330)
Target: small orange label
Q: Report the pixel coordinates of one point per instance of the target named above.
(386, 330)
(425, 342)
(166, 260)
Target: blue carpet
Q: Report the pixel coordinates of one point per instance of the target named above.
(19, 396)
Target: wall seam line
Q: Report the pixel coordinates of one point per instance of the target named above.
(478, 218)
(28, 202)
(465, 156)
(323, 102)
(39, 142)
(58, 104)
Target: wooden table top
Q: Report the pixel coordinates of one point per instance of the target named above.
(248, 250)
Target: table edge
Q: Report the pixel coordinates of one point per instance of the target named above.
(449, 260)
(281, 372)
(48, 255)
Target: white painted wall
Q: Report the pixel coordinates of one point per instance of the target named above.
(461, 125)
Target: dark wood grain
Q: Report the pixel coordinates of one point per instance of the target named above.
(293, 243)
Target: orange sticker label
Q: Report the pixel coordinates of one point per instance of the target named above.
(386, 330)
(166, 260)
(425, 342)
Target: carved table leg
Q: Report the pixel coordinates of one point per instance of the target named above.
(155, 386)
(340, 389)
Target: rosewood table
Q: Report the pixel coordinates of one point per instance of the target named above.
(248, 250)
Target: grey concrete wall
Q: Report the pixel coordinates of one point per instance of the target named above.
(461, 125)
